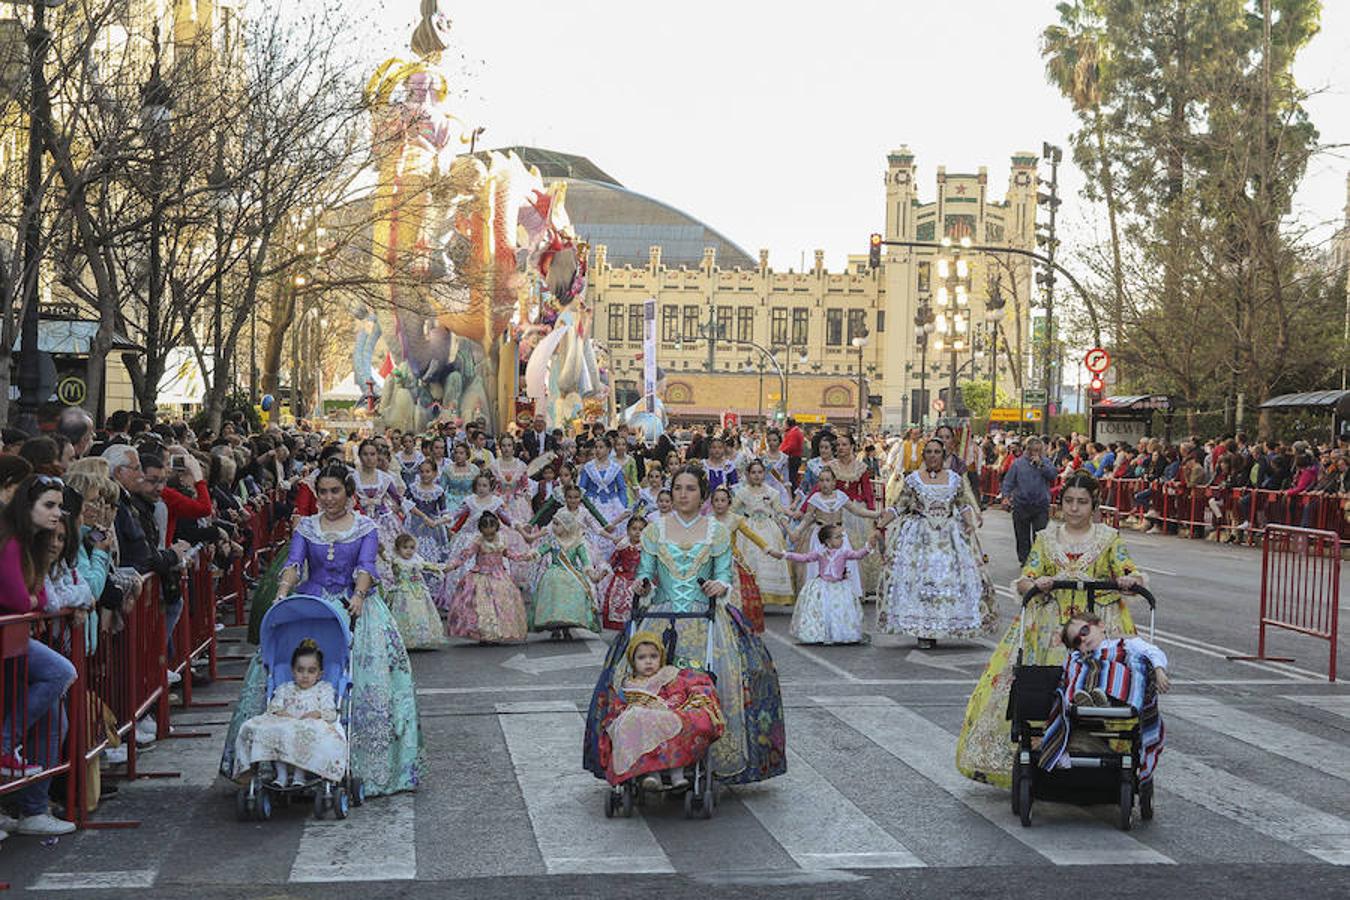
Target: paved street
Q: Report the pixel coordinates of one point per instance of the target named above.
(1253, 791)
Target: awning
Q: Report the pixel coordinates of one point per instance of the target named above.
(1135, 403)
(347, 388)
(71, 337)
(1337, 402)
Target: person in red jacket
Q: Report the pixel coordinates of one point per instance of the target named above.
(792, 445)
(180, 504)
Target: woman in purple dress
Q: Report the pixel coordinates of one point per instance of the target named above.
(333, 557)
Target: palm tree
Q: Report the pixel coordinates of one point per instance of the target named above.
(1077, 63)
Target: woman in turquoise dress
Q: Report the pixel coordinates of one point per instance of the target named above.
(686, 563)
(337, 548)
(457, 478)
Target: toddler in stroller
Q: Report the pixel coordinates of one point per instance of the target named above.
(306, 650)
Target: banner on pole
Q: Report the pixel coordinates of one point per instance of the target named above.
(649, 353)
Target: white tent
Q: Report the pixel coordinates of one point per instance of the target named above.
(348, 389)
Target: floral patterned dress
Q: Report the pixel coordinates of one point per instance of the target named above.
(433, 541)
(409, 601)
(315, 745)
(563, 598)
(458, 483)
(384, 734)
(935, 586)
(745, 594)
(382, 500)
(753, 747)
(665, 721)
(829, 610)
(617, 602)
(487, 605)
(515, 489)
(762, 510)
(984, 751)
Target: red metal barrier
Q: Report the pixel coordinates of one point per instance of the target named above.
(36, 734)
(1300, 587)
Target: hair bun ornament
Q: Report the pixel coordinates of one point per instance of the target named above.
(309, 644)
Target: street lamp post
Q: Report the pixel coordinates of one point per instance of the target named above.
(156, 112)
(38, 39)
(993, 313)
(859, 343)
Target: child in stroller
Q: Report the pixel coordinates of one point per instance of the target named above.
(1104, 674)
(665, 718)
(299, 727)
(306, 650)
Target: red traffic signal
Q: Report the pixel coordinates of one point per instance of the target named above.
(1096, 385)
(874, 251)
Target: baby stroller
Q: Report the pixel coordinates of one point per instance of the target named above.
(700, 799)
(1110, 776)
(283, 627)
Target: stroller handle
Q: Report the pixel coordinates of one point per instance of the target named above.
(1092, 588)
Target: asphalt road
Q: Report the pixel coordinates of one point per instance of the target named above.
(1253, 797)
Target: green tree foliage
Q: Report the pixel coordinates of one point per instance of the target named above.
(1194, 136)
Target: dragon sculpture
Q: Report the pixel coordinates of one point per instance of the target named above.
(481, 269)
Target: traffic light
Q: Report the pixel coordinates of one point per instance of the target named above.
(1096, 387)
(874, 252)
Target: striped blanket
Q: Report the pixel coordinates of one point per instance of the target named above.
(1126, 678)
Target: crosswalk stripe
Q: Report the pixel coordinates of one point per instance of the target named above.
(818, 826)
(1332, 703)
(930, 750)
(377, 843)
(1253, 806)
(90, 881)
(1273, 737)
(565, 803)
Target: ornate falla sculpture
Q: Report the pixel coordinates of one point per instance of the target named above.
(479, 269)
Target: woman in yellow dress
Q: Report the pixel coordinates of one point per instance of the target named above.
(760, 505)
(1076, 548)
(745, 594)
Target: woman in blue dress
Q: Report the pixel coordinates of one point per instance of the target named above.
(603, 482)
(336, 551)
(686, 563)
(457, 478)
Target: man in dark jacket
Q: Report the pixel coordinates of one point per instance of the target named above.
(537, 439)
(1026, 488)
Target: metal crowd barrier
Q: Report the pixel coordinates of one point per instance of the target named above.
(1300, 588)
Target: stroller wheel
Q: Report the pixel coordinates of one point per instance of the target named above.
(689, 804)
(1016, 785)
(341, 804)
(1126, 804)
(611, 801)
(320, 807)
(1024, 801)
(357, 790)
(1146, 800)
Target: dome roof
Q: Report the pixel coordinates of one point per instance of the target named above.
(603, 211)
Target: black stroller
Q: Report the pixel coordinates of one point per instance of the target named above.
(700, 800)
(1111, 776)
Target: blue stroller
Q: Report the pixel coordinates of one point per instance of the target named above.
(283, 627)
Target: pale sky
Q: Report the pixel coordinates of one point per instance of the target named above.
(771, 121)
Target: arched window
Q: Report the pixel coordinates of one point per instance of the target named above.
(679, 393)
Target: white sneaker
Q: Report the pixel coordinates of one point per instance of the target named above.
(144, 734)
(174, 677)
(116, 756)
(8, 823)
(45, 824)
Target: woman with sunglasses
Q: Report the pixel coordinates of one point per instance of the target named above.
(1076, 548)
(28, 745)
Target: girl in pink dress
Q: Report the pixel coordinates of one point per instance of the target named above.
(829, 607)
(487, 606)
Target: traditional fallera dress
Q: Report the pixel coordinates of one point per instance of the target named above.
(487, 605)
(408, 466)
(776, 474)
(753, 747)
(630, 475)
(433, 541)
(382, 501)
(721, 474)
(762, 510)
(315, 745)
(745, 594)
(664, 721)
(385, 738)
(822, 510)
(464, 527)
(856, 482)
(810, 474)
(984, 751)
(515, 489)
(829, 610)
(563, 597)
(409, 601)
(617, 600)
(605, 486)
(935, 586)
(458, 484)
